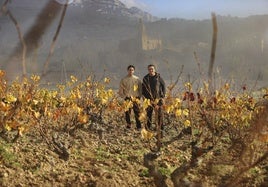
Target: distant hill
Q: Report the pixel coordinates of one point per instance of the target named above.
(92, 31)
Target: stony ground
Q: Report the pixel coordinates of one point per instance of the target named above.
(105, 155)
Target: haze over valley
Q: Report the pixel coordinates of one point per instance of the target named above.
(103, 37)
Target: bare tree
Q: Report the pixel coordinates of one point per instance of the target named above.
(54, 40)
(22, 41)
(32, 37)
(213, 51)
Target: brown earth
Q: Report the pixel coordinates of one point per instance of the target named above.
(109, 155)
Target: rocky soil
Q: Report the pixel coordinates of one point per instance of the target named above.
(111, 155)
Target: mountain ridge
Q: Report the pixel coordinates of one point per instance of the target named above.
(104, 7)
(93, 38)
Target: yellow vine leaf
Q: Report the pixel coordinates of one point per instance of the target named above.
(78, 94)
(36, 115)
(188, 85)
(177, 102)
(185, 112)
(106, 80)
(146, 135)
(206, 87)
(73, 79)
(146, 103)
(110, 93)
(155, 102)
(143, 116)
(4, 107)
(104, 100)
(226, 86)
(21, 130)
(187, 123)
(127, 105)
(83, 118)
(63, 99)
(178, 112)
(135, 87)
(169, 108)
(2, 73)
(10, 98)
(35, 78)
(77, 109)
(49, 114)
(8, 128)
(35, 102)
(138, 101)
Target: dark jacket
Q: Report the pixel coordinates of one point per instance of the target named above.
(153, 87)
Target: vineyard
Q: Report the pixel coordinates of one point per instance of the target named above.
(75, 135)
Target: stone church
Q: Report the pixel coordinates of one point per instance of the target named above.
(142, 42)
(146, 42)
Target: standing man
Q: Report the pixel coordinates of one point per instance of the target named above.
(131, 89)
(153, 88)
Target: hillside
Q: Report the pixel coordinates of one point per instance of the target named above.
(90, 37)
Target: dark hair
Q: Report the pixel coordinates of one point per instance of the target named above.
(151, 65)
(130, 66)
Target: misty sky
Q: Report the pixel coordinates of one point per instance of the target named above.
(200, 9)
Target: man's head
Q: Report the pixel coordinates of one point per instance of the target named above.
(130, 70)
(151, 69)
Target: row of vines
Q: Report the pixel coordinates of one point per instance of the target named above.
(211, 119)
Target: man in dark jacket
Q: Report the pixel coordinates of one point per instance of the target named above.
(153, 88)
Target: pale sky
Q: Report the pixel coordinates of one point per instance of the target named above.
(200, 9)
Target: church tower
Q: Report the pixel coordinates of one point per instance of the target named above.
(144, 41)
(142, 35)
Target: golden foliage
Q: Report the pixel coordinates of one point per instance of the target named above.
(29, 103)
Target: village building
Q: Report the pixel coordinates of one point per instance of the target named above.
(142, 42)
